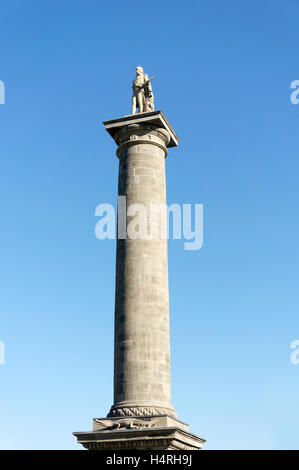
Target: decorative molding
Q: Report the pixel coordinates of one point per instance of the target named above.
(144, 444)
(140, 444)
(123, 424)
(141, 411)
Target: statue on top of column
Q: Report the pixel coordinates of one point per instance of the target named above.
(143, 97)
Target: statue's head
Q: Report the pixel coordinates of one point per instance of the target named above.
(139, 70)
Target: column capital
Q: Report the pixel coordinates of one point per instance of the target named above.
(155, 120)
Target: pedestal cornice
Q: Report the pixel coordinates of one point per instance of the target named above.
(164, 438)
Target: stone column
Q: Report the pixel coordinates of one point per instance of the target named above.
(141, 416)
(142, 356)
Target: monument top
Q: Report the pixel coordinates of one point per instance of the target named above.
(156, 118)
(143, 97)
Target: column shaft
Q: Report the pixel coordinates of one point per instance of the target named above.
(141, 348)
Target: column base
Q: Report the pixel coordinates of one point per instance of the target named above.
(139, 433)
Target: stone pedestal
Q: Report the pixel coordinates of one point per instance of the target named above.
(134, 433)
(142, 416)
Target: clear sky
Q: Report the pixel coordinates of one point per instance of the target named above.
(223, 73)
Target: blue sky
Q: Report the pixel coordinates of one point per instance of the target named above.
(223, 73)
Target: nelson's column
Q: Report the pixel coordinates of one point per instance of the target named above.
(142, 416)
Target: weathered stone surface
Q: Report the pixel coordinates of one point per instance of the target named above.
(142, 416)
(141, 348)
